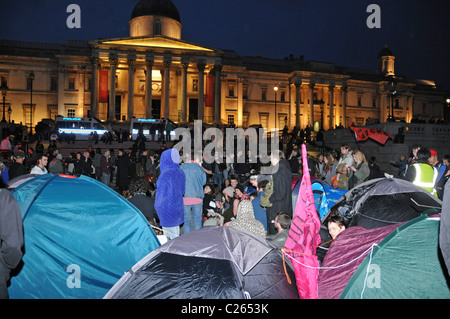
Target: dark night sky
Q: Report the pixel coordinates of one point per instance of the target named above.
(321, 30)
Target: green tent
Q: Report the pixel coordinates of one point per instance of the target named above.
(406, 264)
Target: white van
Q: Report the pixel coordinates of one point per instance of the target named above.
(80, 126)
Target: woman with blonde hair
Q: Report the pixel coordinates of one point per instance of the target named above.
(359, 171)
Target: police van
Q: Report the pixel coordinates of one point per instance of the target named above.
(153, 129)
(80, 126)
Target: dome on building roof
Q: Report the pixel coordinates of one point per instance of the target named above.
(163, 8)
(385, 52)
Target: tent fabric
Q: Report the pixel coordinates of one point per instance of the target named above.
(344, 256)
(325, 196)
(444, 233)
(213, 253)
(80, 238)
(405, 265)
(384, 201)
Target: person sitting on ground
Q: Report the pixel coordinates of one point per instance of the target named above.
(245, 219)
(282, 223)
(146, 204)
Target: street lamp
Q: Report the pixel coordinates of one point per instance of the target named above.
(31, 79)
(275, 88)
(393, 90)
(4, 89)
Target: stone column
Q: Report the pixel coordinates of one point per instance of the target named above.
(166, 88)
(201, 90)
(344, 105)
(61, 85)
(184, 67)
(331, 100)
(94, 89)
(311, 104)
(131, 71)
(81, 82)
(298, 97)
(217, 93)
(240, 102)
(148, 86)
(112, 87)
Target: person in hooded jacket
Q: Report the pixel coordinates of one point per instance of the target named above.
(281, 198)
(170, 188)
(245, 219)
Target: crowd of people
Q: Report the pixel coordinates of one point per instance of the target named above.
(179, 193)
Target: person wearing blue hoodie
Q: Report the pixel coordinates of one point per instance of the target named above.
(194, 194)
(170, 188)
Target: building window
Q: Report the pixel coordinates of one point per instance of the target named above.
(28, 114)
(230, 119)
(70, 112)
(194, 85)
(4, 80)
(72, 83)
(359, 100)
(245, 92)
(264, 119)
(283, 96)
(157, 27)
(231, 89)
(53, 83)
(374, 101)
(264, 94)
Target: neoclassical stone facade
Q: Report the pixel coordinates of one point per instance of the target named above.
(154, 73)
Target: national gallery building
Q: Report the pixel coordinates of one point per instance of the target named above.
(154, 73)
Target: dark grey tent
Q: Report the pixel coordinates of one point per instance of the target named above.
(444, 232)
(209, 263)
(384, 201)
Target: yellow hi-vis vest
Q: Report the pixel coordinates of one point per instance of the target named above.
(426, 176)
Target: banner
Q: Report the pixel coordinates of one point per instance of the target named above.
(304, 237)
(103, 86)
(209, 91)
(363, 134)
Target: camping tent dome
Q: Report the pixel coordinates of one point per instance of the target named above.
(209, 263)
(80, 238)
(384, 201)
(404, 265)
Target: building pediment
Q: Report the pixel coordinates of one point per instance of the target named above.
(155, 43)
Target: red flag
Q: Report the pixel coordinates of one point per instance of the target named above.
(304, 237)
(209, 91)
(363, 134)
(103, 86)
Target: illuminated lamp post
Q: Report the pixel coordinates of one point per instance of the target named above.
(4, 89)
(275, 88)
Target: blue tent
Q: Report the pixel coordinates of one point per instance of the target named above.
(325, 196)
(80, 238)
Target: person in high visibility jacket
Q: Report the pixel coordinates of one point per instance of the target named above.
(421, 173)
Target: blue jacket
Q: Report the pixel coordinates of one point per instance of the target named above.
(195, 180)
(170, 189)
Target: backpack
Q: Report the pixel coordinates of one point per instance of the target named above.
(139, 170)
(268, 190)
